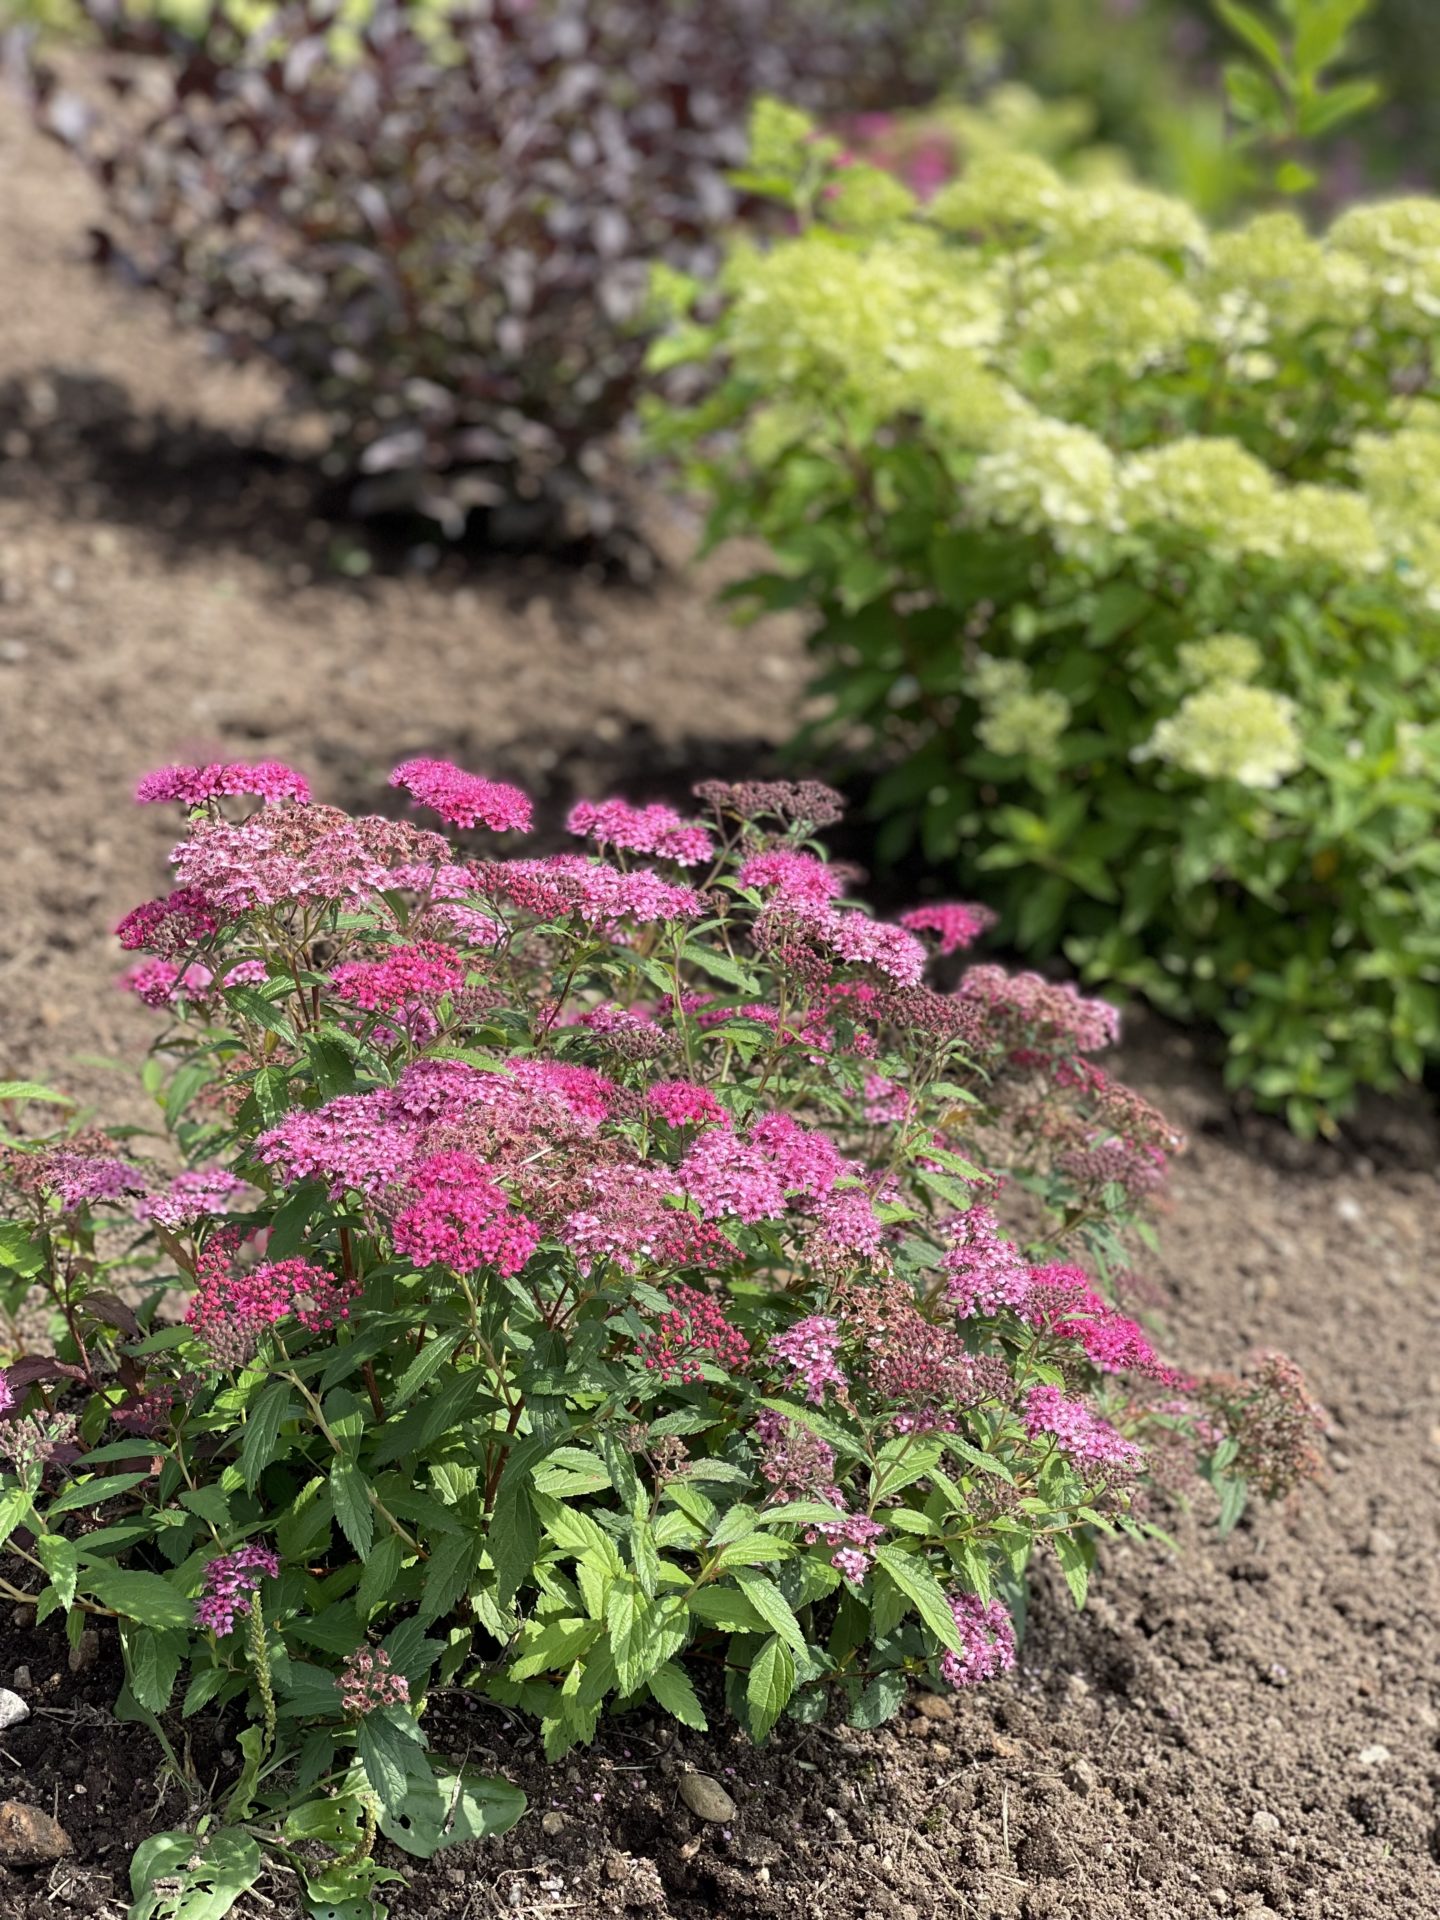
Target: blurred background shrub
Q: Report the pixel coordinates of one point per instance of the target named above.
(438, 222)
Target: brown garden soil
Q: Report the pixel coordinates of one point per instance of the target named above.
(1250, 1728)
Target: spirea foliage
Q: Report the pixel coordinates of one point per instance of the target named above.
(437, 221)
(589, 1280)
(1120, 539)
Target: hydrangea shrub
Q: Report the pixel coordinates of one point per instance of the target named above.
(1120, 542)
(609, 1278)
(436, 220)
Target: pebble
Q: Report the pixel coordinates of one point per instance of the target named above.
(933, 1706)
(22, 1679)
(85, 1652)
(706, 1798)
(551, 1824)
(12, 1709)
(1082, 1776)
(1375, 1756)
(29, 1837)
(1263, 1822)
(1349, 1210)
(1381, 1545)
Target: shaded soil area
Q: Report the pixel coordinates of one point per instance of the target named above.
(1250, 1729)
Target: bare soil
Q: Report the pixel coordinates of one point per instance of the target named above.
(1252, 1728)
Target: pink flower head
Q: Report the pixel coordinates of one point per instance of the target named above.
(587, 1096)
(989, 1636)
(656, 830)
(694, 1331)
(795, 878)
(567, 886)
(406, 976)
(984, 1272)
(464, 799)
(809, 1349)
(169, 926)
(954, 923)
(797, 1463)
(1038, 1019)
(230, 1583)
(368, 1680)
(457, 1217)
(195, 1194)
(681, 1103)
(160, 983)
(853, 1562)
(232, 1307)
(890, 950)
(1065, 1305)
(7, 1392)
(79, 1178)
(355, 1141)
(267, 780)
(1089, 1440)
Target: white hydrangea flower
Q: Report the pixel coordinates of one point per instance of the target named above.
(1045, 476)
(1269, 277)
(1016, 716)
(1212, 489)
(1220, 656)
(1399, 242)
(1329, 527)
(1229, 730)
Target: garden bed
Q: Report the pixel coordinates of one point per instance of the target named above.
(1251, 1728)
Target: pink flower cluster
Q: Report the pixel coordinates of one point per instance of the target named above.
(799, 879)
(751, 1178)
(656, 830)
(955, 924)
(305, 856)
(464, 799)
(267, 780)
(169, 926)
(230, 1583)
(76, 1179)
(809, 1349)
(681, 1103)
(694, 1331)
(1038, 1018)
(411, 974)
(567, 886)
(232, 1307)
(1063, 1303)
(1083, 1435)
(797, 1463)
(989, 1636)
(367, 1681)
(195, 1194)
(984, 1272)
(457, 1217)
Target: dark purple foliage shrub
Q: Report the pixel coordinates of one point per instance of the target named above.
(439, 226)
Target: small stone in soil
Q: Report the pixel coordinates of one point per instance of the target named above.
(29, 1837)
(1082, 1775)
(933, 1706)
(1375, 1756)
(86, 1652)
(1263, 1822)
(12, 1709)
(551, 1824)
(22, 1679)
(706, 1798)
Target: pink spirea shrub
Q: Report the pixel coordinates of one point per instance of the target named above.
(603, 1270)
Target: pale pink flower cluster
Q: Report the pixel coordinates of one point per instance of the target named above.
(750, 1178)
(195, 1194)
(568, 886)
(876, 943)
(169, 926)
(955, 924)
(989, 1636)
(809, 1349)
(367, 1681)
(77, 1179)
(230, 1583)
(656, 830)
(1083, 1435)
(984, 1272)
(267, 780)
(627, 1216)
(1039, 1018)
(464, 799)
(887, 1102)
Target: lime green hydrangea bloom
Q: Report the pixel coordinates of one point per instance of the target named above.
(1230, 730)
